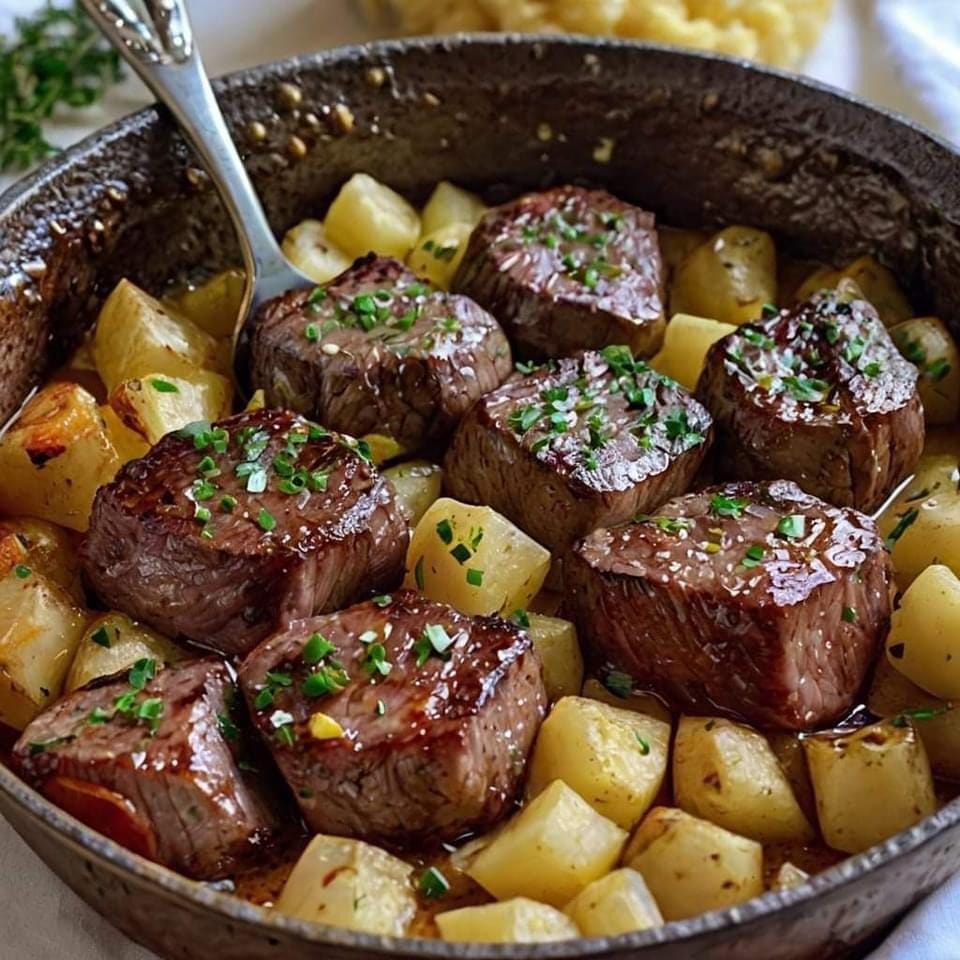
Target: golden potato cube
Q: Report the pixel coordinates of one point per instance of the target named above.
(129, 444)
(474, 559)
(42, 548)
(927, 343)
(514, 921)
(214, 305)
(922, 525)
(824, 278)
(308, 247)
(350, 884)
(617, 903)
(727, 773)
(729, 278)
(691, 865)
(937, 722)
(869, 784)
(367, 215)
(615, 759)
(879, 286)
(449, 205)
(111, 644)
(685, 346)
(550, 850)
(157, 404)
(417, 484)
(788, 876)
(383, 448)
(40, 627)
(676, 245)
(640, 701)
(924, 639)
(437, 255)
(555, 640)
(136, 335)
(55, 457)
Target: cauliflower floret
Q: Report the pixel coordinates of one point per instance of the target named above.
(780, 32)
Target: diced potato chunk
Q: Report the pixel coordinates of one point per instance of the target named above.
(788, 876)
(617, 903)
(676, 245)
(825, 278)
(437, 255)
(308, 247)
(641, 702)
(555, 640)
(729, 278)
(157, 405)
(869, 784)
(42, 548)
(615, 759)
(691, 865)
(685, 347)
(257, 401)
(214, 305)
(367, 215)
(550, 850)
(474, 559)
(113, 643)
(937, 722)
(879, 286)
(40, 627)
(926, 342)
(55, 457)
(728, 774)
(129, 444)
(449, 204)
(922, 525)
(351, 884)
(417, 485)
(383, 448)
(514, 921)
(924, 639)
(136, 335)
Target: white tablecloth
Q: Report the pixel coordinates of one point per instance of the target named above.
(40, 919)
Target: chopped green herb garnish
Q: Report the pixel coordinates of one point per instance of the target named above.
(793, 526)
(521, 618)
(325, 681)
(418, 573)
(433, 641)
(903, 524)
(380, 709)
(384, 600)
(445, 531)
(376, 660)
(433, 883)
(228, 504)
(620, 684)
(316, 648)
(164, 386)
(21, 571)
(722, 506)
(228, 729)
(921, 713)
(101, 637)
(849, 615)
(474, 577)
(644, 746)
(99, 716)
(266, 521)
(938, 369)
(141, 673)
(753, 556)
(461, 553)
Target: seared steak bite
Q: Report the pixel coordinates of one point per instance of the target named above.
(583, 442)
(378, 351)
(819, 395)
(752, 598)
(153, 761)
(222, 534)
(398, 720)
(568, 269)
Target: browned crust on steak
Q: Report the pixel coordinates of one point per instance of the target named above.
(568, 269)
(632, 440)
(229, 582)
(184, 783)
(377, 350)
(722, 613)
(448, 751)
(851, 437)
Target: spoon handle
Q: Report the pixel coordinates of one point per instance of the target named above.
(156, 39)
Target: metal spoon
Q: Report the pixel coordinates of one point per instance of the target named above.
(156, 39)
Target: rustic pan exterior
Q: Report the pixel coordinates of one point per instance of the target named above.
(699, 139)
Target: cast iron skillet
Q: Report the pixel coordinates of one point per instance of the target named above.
(701, 140)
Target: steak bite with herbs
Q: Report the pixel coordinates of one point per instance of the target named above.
(154, 761)
(377, 350)
(568, 269)
(224, 533)
(580, 443)
(398, 720)
(755, 599)
(819, 395)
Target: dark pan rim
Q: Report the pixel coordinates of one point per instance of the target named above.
(175, 887)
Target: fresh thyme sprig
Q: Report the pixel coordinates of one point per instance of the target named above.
(55, 58)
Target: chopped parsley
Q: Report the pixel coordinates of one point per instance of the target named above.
(266, 521)
(21, 571)
(381, 709)
(282, 723)
(921, 713)
(384, 600)
(938, 369)
(906, 520)
(433, 883)
(474, 577)
(521, 618)
(733, 507)
(445, 531)
(316, 649)
(228, 729)
(434, 641)
(101, 637)
(643, 744)
(753, 556)
(792, 527)
(273, 682)
(849, 615)
(418, 573)
(164, 386)
(619, 684)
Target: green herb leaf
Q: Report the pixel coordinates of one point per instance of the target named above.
(228, 729)
(620, 684)
(445, 531)
(849, 615)
(141, 673)
(21, 571)
(793, 527)
(753, 556)
(643, 744)
(474, 577)
(266, 521)
(903, 524)
(316, 648)
(722, 506)
(521, 618)
(101, 637)
(164, 386)
(433, 883)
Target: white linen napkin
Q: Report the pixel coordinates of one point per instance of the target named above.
(923, 40)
